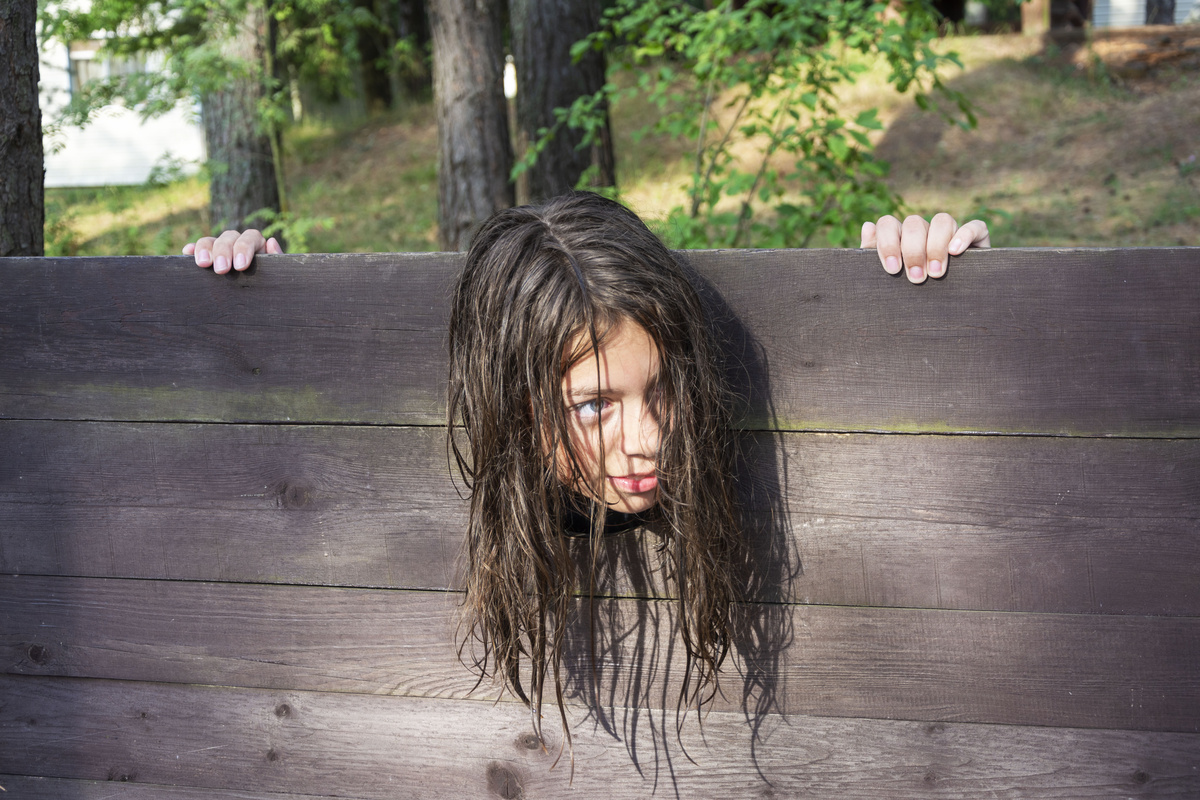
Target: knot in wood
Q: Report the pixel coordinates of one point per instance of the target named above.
(38, 654)
(503, 782)
(291, 495)
(529, 741)
(122, 775)
(283, 710)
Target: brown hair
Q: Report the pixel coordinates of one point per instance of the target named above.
(537, 280)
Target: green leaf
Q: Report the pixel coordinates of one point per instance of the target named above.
(838, 146)
(869, 119)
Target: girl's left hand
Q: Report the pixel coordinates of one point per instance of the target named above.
(922, 247)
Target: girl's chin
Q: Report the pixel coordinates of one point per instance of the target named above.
(633, 503)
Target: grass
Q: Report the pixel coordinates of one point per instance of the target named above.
(1066, 154)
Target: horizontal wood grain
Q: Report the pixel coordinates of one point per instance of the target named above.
(389, 747)
(28, 788)
(1089, 342)
(967, 522)
(1095, 671)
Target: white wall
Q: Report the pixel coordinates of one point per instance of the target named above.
(1131, 13)
(117, 146)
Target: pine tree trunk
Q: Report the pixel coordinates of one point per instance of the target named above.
(474, 152)
(239, 150)
(543, 32)
(22, 213)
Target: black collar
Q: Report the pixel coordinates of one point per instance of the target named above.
(578, 521)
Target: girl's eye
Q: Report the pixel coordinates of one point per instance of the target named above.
(589, 411)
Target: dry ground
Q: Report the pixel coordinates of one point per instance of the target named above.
(1070, 148)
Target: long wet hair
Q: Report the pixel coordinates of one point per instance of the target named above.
(542, 288)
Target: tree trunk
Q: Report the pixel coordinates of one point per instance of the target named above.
(22, 211)
(474, 152)
(543, 32)
(1160, 12)
(243, 176)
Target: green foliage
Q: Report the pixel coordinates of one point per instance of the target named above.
(290, 228)
(314, 37)
(315, 43)
(764, 78)
(1003, 14)
(58, 230)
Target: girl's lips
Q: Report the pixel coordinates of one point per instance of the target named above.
(635, 484)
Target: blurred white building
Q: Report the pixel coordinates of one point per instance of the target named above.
(117, 146)
(1132, 13)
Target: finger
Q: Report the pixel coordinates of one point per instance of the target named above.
(273, 247)
(245, 247)
(868, 235)
(941, 229)
(222, 252)
(913, 234)
(202, 249)
(973, 234)
(887, 242)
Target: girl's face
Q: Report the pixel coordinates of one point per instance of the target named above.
(615, 423)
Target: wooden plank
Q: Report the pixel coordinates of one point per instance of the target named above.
(286, 504)
(26, 788)
(964, 522)
(1093, 671)
(1058, 342)
(156, 338)
(387, 747)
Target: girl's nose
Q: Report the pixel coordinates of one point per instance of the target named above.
(639, 431)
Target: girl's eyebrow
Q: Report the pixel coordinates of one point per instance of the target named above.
(585, 391)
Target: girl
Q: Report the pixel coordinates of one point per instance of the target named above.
(585, 398)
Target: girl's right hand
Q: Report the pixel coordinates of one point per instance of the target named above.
(231, 249)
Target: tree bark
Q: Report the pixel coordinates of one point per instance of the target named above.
(243, 177)
(474, 152)
(1160, 12)
(542, 34)
(22, 210)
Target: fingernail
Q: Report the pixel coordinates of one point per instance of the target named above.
(956, 246)
(935, 269)
(239, 261)
(203, 257)
(916, 274)
(892, 265)
(221, 265)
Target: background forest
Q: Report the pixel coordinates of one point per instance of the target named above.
(786, 134)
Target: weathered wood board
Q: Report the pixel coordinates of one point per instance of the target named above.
(229, 540)
(993, 522)
(1102, 671)
(1088, 342)
(399, 747)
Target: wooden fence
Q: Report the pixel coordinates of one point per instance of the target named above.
(228, 540)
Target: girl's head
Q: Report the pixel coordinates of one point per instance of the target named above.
(584, 377)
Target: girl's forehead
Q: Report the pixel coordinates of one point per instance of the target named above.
(626, 360)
